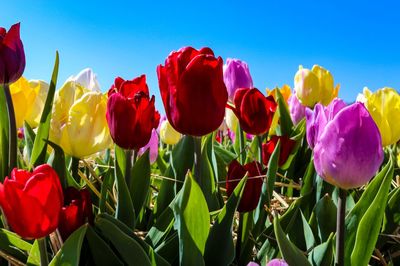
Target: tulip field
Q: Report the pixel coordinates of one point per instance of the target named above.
(226, 174)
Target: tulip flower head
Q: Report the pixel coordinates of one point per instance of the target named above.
(315, 85)
(86, 78)
(131, 114)
(384, 107)
(254, 111)
(28, 99)
(252, 189)
(76, 212)
(32, 201)
(193, 90)
(236, 76)
(285, 91)
(346, 142)
(297, 110)
(268, 148)
(168, 134)
(277, 262)
(12, 55)
(78, 121)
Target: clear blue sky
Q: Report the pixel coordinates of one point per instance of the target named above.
(359, 42)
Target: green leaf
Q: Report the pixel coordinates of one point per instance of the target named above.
(14, 245)
(286, 123)
(107, 186)
(325, 214)
(140, 181)
(182, 159)
(323, 253)
(291, 254)
(40, 146)
(308, 179)
(29, 136)
(70, 252)
(392, 212)
(192, 221)
(129, 249)
(57, 161)
(301, 234)
(102, 253)
(206, 180)
(222, 229)
(370, 223)
(126, 230)
(271, 172)
(160, 230)
(34, 255)
(125, 211)
(4, 127)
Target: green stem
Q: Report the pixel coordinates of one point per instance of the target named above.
(128, 166)
(242, 141)
(44, 260)
(12, 133)
(239, 238)
(197, 159)
(74, 167)
(340, 220)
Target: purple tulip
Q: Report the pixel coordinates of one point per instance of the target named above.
(297, 110)
(252, 263)
(277, 262)
(236, 75)
(347, 143)
(152, 145)
(317, 119)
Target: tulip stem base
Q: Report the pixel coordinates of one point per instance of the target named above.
(12, 130)
(44, 260)
(242, 143)
(340, 222)
(128, 166)
(239, 238)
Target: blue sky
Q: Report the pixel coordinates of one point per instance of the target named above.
(357, 41)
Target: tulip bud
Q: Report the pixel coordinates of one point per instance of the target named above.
(384, 107)
(76, 212)
(152, 145)
(231, 120)
(347, 143)
(297, 110)
(236, 76)
(168, 134)
(78, 121)
(131, 114)
(315, 85)
(254, 111)
(193, 90)
(277, 262)
(268, 148)
(32, 201)
(252, 189)
(12, 55)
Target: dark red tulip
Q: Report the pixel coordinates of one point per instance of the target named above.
(252, 189)
(131, 114)
(12, 55)
(193, 90)
(254, 110)
(287, 146)
(32, 201)
(76, 212)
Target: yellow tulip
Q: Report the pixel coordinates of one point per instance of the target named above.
(28, 99)
(315, 85)
(78, 121)
(231, 120)
(168, 134)
(285, 91)
(384, 107)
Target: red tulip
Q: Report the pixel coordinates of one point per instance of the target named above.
(12, 55)
(77, 211)
(193, 90)
(131, 114)
(32, 201)
(287, 146)
(252, 189)
(254, 110)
